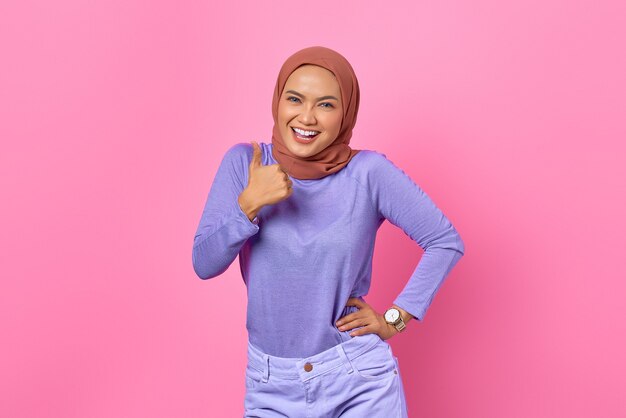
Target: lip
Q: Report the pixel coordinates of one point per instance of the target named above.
(301, 141)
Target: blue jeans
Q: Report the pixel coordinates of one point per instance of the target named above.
(355, 379)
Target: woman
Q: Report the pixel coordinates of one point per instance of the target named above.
(302, 214)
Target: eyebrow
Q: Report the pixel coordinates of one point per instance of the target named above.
(318, 99)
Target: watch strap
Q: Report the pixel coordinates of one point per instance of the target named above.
(401, 325)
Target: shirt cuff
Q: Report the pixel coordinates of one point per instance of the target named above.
(242, 214)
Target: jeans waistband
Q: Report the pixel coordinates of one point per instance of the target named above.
(320, 363)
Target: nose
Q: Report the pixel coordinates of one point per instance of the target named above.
(307, 117)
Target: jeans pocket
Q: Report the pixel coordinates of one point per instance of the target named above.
(253, 375)
(378, 363)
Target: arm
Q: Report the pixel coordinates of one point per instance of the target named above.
(226, 223)
(406, 317)
(399, 200)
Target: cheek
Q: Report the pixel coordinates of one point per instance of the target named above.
(281, 111)
(284, 116)
(336, 124)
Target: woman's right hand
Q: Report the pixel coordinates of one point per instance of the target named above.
(267, 185)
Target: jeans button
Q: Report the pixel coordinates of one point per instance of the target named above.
(308, 367)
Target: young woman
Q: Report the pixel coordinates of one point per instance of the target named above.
(302, 213)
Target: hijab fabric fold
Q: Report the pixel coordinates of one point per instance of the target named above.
(338, 154)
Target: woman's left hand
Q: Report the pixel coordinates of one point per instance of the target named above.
(372, 321)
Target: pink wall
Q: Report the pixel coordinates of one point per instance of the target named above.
(115, 114)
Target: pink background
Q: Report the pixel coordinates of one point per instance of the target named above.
(115, 114)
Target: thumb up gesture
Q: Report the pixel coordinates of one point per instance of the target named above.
(267, 185)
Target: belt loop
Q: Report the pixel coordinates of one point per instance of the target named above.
(266, 367)
(346, 361)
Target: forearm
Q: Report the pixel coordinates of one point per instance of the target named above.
(406, 317)
(217, 245)
(426, 280)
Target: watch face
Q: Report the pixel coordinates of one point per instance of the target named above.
(392, 315)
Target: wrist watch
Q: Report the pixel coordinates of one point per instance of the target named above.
(393, 317)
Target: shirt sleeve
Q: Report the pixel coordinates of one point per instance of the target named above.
(400, 200)
(224, 227)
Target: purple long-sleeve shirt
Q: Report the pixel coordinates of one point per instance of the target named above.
(305, 256)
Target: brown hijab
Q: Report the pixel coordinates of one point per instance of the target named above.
(338, 154)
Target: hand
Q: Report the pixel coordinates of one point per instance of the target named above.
(372, 321)
(267, 184)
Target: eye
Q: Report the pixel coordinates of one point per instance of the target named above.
(330, 106)
(292, 97)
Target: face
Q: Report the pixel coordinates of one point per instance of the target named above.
(311, 103)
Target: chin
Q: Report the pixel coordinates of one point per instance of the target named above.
(304, 153)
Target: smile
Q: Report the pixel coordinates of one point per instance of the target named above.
(304, 136)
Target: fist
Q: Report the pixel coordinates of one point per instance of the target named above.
(267, 184)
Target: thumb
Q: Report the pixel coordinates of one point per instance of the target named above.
(256, 155)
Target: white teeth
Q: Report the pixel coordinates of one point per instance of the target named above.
(307, 133)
